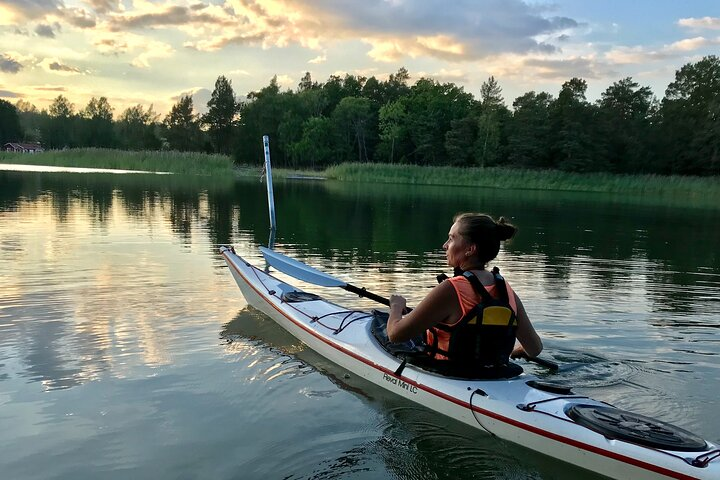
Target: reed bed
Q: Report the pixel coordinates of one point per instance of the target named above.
(508, 178)
(151, 161)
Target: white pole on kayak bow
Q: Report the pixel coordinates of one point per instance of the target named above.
(268, 179)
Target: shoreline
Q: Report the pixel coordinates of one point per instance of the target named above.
(491, 177)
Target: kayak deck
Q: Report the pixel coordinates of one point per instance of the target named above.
(512, 409)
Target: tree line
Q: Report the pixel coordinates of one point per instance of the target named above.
(359, 119)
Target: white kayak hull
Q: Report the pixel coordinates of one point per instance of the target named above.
(492, 406)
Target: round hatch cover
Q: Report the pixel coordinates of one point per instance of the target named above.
(618, 424)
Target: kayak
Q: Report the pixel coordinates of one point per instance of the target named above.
(518, 407)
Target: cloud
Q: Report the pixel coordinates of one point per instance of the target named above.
(319, 59)
(200, 97)
(464, 29)
(104, 6)
(51, 89)
(221, 42)
(43, 30)
(143, 48)
(690, 44)
(152, 49)
(59, 67)
(168, 16)
(532, 69)
(9, 94)
(710, 23)
(439, 46)
(111, 46)
(79, 17)
(445, 76)
(563, 69)
(30, 9)
(285, 81)
(9, 64)
(639, 55)
(459, 31)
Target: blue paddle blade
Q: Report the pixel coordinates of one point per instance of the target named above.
(299, 270)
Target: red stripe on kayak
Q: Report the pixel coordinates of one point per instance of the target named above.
(488, 413)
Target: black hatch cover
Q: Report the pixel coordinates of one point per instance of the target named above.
(618, 424)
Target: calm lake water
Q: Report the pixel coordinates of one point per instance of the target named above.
(127, 350)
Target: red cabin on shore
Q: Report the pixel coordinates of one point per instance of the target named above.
(23, 147)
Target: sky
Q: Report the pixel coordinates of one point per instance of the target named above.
(153, 52)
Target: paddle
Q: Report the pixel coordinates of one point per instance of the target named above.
(309, 274)
(306, 273)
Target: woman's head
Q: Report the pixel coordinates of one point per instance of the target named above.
(475, 239)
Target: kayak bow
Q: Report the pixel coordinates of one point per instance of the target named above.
(522, 409)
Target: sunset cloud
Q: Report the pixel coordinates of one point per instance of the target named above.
(319, 59)
(79, 17)
(200, 97)
(153, 49)
(446, 76)
(639, 54)
(49, 88)
(9, 64)
(9, 94)
(286, 81)
(63, 68)
(30, 9)
(566, 68)
(44, 31)
(173, 15)
(57, 67)
(393, 30)
(104, 6)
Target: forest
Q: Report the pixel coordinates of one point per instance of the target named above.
(628, 130)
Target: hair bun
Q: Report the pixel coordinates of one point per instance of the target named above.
(504, 230)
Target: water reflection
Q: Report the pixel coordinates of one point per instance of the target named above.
(110, 279)
(409, 439)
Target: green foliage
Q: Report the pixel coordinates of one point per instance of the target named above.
(574, 147)
(136, 129)
(529, 131)
(625, 113)
(221, 115)
(430, 109)
(391, 120)
(31, 121)
(58, 129)
(690, 114)
(357, 119)
(182, 127)
(315, 149)
(355, 123)
(10, 130)
(96, 129)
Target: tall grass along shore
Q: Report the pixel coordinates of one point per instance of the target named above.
(494, 177)
(149, 161)
(498, 177)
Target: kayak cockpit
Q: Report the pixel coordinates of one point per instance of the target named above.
(413, 352)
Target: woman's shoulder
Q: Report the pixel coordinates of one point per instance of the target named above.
(485, 277)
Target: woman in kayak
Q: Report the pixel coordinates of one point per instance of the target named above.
(473, 241)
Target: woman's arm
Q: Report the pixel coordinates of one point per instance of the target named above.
(530, 342)
(438, 306)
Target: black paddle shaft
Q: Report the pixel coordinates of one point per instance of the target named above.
(372, 296)
(364, 293)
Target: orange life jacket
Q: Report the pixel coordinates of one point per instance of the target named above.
(485, 333)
